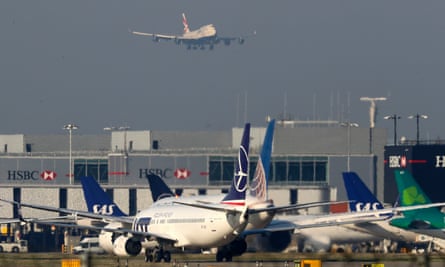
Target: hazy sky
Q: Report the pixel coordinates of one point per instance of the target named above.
(75, 61)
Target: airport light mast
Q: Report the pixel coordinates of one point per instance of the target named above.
(395, 118)
(70, 127)
(418, 116)
(372, 113)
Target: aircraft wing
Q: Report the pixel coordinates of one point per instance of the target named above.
(73, 213)
(211, 206)
(157, 36)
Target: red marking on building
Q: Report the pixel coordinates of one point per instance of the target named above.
(182, 173)
(48, 175)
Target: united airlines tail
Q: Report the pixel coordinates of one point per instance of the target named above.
(97, 199)
(237, 191)
(361, 197)
(258, 188)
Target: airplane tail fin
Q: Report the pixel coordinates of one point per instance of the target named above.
(159, 189)
(184, 22)
(409, 190)
(258, 187)
(237, 191)
(97, 199)
(359, 194)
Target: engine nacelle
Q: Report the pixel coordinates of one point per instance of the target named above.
(127, 246)
(119, 245)
(273, 241)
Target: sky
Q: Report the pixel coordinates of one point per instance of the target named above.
(76, 62)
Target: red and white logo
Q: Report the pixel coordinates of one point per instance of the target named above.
(48, 175)
(182, 173)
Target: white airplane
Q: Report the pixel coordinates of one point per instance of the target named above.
(167, 223)
(204, 36)
(362, 200)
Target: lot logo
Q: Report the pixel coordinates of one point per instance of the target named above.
(48, 175)
(182, 173)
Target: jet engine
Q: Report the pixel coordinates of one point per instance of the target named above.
(120, 245)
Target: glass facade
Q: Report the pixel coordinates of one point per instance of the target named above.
(97, 168)
(286, 170)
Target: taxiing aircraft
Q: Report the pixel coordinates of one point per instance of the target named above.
(367, 223)
(169, 223)
(204, 36)
(429, 221)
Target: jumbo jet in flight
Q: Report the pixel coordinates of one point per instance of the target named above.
(204, 36)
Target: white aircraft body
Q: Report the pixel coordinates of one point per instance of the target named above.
(204, 36)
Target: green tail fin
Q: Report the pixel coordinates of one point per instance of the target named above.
(410, 192)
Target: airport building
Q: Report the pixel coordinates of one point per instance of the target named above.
(308, 159)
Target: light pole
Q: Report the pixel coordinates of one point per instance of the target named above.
(372, 112)
(395, 118)
(349, 125)
(70, 127)
(418, 116)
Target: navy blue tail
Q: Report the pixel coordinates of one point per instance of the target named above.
(237, 191)
(97, 199)
(359, 194)
(159, 189)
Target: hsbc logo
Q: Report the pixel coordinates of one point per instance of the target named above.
(182, 173)
(397, 161)
(25, 175)
(48, 175)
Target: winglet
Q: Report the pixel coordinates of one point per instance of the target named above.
(237, 191)
(184, 22)
(97, 199)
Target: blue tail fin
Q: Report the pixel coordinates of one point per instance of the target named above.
(258, 187)
(159, 189)
(362, 198)
(237, 191)
(97, 199)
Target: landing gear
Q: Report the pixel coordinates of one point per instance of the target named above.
(157, 255)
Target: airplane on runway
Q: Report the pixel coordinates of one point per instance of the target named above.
(170, 224)
(204, 36)
(429, 221)
(397, 227)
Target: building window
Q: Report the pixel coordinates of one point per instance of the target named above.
(96, 168)
(284, 170)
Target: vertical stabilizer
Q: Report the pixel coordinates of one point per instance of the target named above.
(184, 22)
(159, 189)
(97, 199)
(260, 180)
(361, 197)
(410, 192)
(237, 191)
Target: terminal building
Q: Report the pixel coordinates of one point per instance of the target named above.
(308, 159)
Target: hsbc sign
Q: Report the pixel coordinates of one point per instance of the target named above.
(397, 161)
(26, 175)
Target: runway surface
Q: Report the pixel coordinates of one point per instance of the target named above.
(247, 260)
